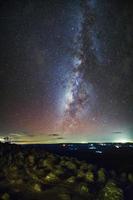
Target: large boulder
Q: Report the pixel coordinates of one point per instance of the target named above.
(82, 188)
(80, 174)
(5, 196)
(89, 177)
(101, 175)
(130, 177)
(111, 192)
(51, 178)
(37, 187)
(70, 165)
(64, 196)
(71, 180)
(59, 171)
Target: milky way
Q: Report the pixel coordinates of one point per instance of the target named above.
(80, 97)
(79, 93)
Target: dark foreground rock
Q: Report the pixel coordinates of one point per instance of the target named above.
(35, 175)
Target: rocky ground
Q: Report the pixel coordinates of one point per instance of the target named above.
(39, 175)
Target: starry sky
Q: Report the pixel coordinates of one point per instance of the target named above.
(66, 71)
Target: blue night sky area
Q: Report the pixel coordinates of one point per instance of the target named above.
(66, 71)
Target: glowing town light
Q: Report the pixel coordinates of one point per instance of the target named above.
(83, 142)
(122, 140)
(2, 140)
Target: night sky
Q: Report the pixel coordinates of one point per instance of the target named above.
(66, 70)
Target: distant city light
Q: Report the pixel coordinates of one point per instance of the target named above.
(1, 139)
(83, 142)
(92, 147)
(99, 151)
(122, 140)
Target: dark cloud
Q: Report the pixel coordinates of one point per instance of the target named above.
(60, 138)
(117, 132)
(54, 134)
